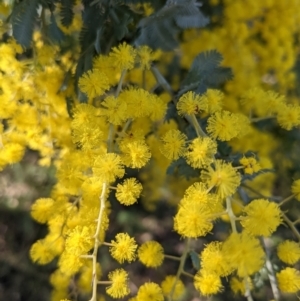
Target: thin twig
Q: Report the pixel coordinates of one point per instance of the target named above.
(180, 268)
(271, 273)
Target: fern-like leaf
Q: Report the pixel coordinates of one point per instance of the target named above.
(205, 72)
(160, 29)
(54, 32)
(23, 18)
(66, 12)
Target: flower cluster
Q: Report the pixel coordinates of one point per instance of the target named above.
(120, 138)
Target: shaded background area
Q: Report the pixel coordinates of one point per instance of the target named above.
(20, 185)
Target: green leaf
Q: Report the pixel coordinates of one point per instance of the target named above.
(23, 17)
(54, 32)
(195, 260)
(66, 12)
(204, 62)
(160, 30)
(205, 72)
(181, 168)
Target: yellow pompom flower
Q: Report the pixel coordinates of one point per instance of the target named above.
(58, 279)
(200, 152)
(136, 154)
(193, 219)
(138, 102)
(296, 189)
(167, 287)
(289, 116)
(119, 286)
(173, 145)
(108, 167)
(262, 217)
(114, 110)
(191, 103)
(123, 56)
(123, 248)
(223, 177)
(42, 209)
(243, 253)
(223, 125)
(88, 135)
(288, 280)
(11, 153)
(145, 56)
(129, 191)
(250, 165)
(288, 251)
(150, 291)
(207, 283)
(79, 241)
(82, 114)
(213, 261)
(214, 99)
(41, 252)
(151, 254)
(93, 83)
(158, 108)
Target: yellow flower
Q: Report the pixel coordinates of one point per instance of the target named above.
(243, 253)
(115, 110)
(93, 83)
(119, 287)
(87, 136)
(223, 125)
(198, 193)
(262, 217)
(11, 153)
(136, 154)
(128, 192)
(223, 176)
(158, 108)
(151, 254)
(289, 116)
(138, 102)
(82, 114)
(207, 283)
(150, 292)
(167, 287)
(41, 252)
(123, 248)
(214, 99)
(104, 63)
(191, 103)
(288, 280)
(272, 102)
(193, 219)
(173, 145)
(79, 241)
(213, 261)
(145, 56)
(289, 251)
(250, 165)
(42, 209)
(200, 152)
(108, 167)
(123, 56)
(58, 279)
(296, 189)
